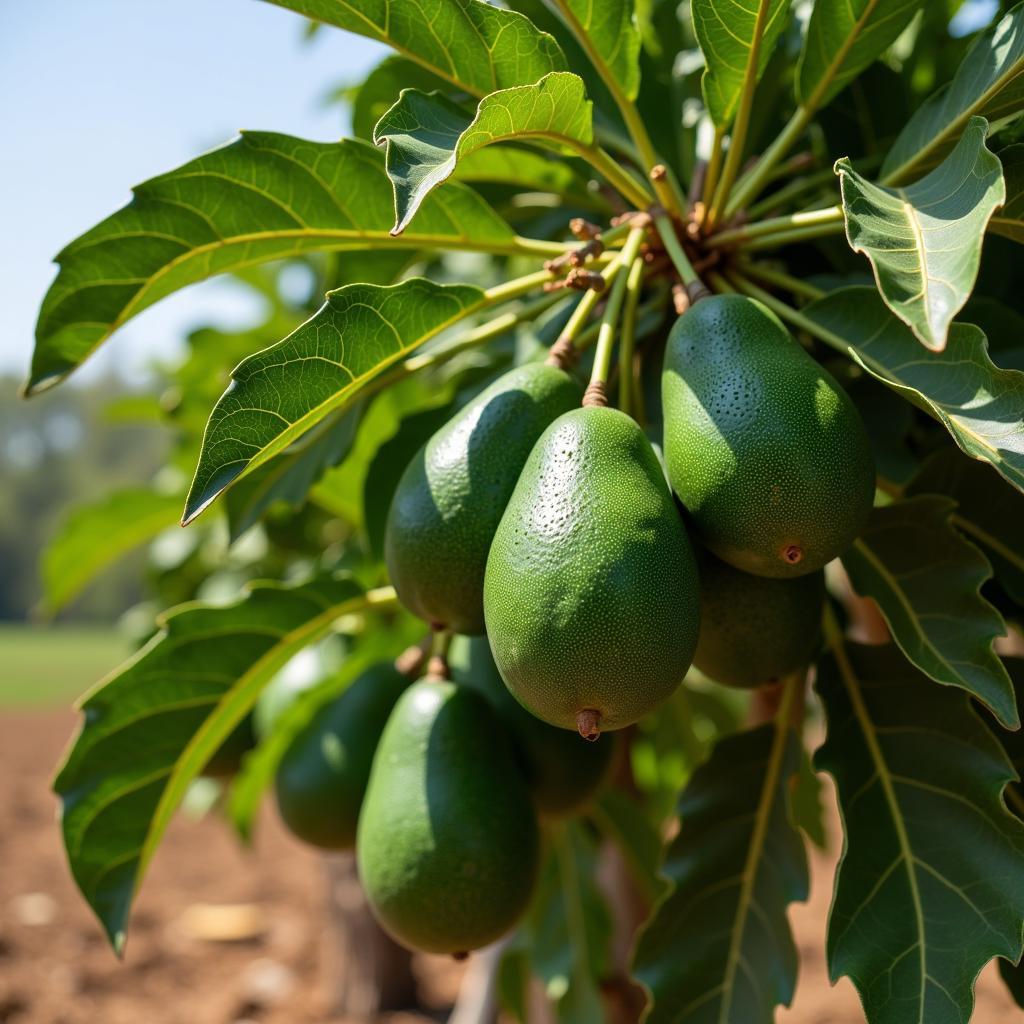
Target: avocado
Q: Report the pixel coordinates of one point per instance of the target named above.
(277, 697)
(562, 773)
(754, 629)
(322, 776)
(591, 594)
(451, 496)
(763, 447)
(448, 843)
(227, 758)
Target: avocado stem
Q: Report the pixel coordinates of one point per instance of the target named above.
(588, 723)
(411, 660)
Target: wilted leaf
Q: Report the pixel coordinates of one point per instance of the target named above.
(1009, 220)
(924, 240)
(931, 883)
(989, 83)
(981, 405)
(718, 947)
(926, 580)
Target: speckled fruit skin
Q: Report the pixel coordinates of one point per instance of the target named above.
(591, 590)
(753, 629)
(763, 447)
(322, 777)
(562, 771)
(448, 843)
(451, 496)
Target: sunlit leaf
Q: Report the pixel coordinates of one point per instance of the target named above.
(924, 240)
(610, 27)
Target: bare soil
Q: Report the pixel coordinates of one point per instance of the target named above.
(55, 966)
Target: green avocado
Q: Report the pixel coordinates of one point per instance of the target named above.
(562, 773)
(277, 697)
(450, 498)
(227, 758)
(754, 629)
(591, 593)
(322, 776)
(448, 843)
(763, 447)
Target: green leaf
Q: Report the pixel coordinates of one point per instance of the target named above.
(610, 27)
(806, 810)
(262, 197)
(623, 819)
(926, 580)
(989, 83)
(469, 43)
(96, 535)
(718, 946)
(924, 240)
(153, 725)
(381, 88)
(732, 38)
(931, 882)
(1009, 220)
(427, 135)
(977, 402)
(278, 394)
(843, 38)
(525, 169)
(987, 512)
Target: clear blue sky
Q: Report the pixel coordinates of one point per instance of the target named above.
(98, 95)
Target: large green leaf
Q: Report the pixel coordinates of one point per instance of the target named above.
(718, 948)
(469, 43)
(278, 394)
(981, 405)
(1009, 220)
(926, 580)
(96, 535)
(608, 29)
(426, 134)
(737, 41)
(152, 726)
(924, 240)
(931, 883)
(843, 38)
(989, 83)
(626, 822)
(987, 512)
(262, 197)
(381, 88)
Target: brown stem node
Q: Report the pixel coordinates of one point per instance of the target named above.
(437, 669)
(411, 660)
(562, 354)
(659, 172)
(588, 721)
(584, 229)
(582, 280)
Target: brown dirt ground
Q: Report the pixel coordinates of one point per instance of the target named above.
(55, 967)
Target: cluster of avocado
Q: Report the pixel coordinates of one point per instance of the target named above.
(547, 535)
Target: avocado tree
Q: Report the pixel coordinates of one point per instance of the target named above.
(645, 342)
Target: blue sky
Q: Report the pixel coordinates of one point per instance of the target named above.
(98, 95)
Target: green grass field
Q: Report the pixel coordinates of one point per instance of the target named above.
(51, 666)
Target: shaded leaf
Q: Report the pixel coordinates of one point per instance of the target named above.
(926, 580)
(987, 511)
(467, 42)
(989, 82)
(153, 725)
(806, 809)
(622, 818)
(611, 28)
(718, 946)
(844, 37)
(96, 535)
(426, 135)
(981, 405)
(262, 197)
(737, 41)
(931, 882)
(381, 88)
(1009, 220)
(278, 394)
(924, 240)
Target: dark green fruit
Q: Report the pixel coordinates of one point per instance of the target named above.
(227, 758)
(448, 842)
(562, 773)
(591, 591)
(451, 496)
(763, 447)
(322, 777)
(753, 629)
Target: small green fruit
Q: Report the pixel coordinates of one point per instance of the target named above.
(448, 843)
(763, 447)
(562, 773)
(591, 591)
(322, 777)
(450, 498)
(753, 629)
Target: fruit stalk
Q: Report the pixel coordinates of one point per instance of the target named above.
(780, 279)
(695, 288)
(627, 341)
(793, 227)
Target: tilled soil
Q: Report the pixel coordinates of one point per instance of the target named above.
(55, 966)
